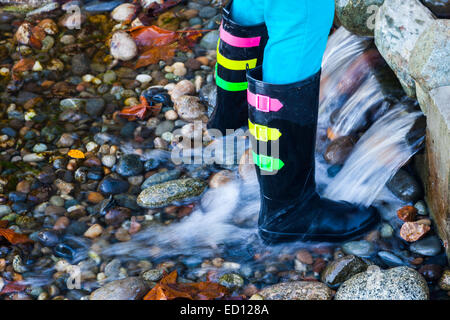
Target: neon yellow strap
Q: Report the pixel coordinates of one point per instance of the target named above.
(267, 163)
(263, 133)
(230, 86)
(234, 64)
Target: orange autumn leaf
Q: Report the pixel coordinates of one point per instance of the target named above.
(154, 55)
(14, 237)
(147, 37)
(141, 110)
(25, 64)
(169, 289)
(76, 154)
(3, 223)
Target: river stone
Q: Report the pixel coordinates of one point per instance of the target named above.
(339, 150)
(189, 108)
(80, 64)
(398, 26)
(361, 248)
(405, 187)
(95, 107)
(444, 282)
(102, 6)
(209, 41)
(342, 269)
(130, 165)
(132, 288)
(440, 8)
(111, 185)
(163, 194)
(297, 290)
(231, 281)
(390, 259)
(161, 177)
(400, 283)
(358, 16)
(430, 60)
(430, 246)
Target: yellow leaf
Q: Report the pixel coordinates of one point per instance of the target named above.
(77, 154)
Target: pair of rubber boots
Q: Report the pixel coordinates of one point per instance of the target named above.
(282, 120)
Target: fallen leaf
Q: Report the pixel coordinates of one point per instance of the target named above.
(147, 37)
(154, 55)
(413, 231)
(157, 43)
(76, 154)
(169, 289)
(13, 287)
(14, 237)
(25, 64)
(141, 110)
(407, 213)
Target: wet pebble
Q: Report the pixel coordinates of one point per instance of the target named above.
(130, 165)
(429, 246)
(361, 248)
(111, 185)
(342, 269)
(133, 288)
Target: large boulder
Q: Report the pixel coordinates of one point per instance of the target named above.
(429, 64)
(401, 283)
(398, 26)
(434, 166)
(358, 16)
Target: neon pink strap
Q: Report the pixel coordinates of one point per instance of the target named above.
(238, 42)
(263, 103)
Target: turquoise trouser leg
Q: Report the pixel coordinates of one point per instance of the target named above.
(298, 33)
(248, 12)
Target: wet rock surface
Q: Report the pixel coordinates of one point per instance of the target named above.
(298, 290)
(165, 193)
(126, 289)
(401, 283)
(342, 269)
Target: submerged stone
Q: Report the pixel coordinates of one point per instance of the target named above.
(429, 246)
(100, 6)
(296, 290)
(161, 177)
(405, 187)
(163, 194)
(342, 269)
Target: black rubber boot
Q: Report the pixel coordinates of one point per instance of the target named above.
(239, 47)
(291, 209)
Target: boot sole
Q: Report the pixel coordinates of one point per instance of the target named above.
(271, 237)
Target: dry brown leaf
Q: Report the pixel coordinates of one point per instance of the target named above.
(14, 237)
(169, 289)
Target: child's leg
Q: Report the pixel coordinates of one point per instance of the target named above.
(247, 12)
(298, 33)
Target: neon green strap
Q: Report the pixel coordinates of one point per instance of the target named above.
(230, 86)
(267, 163)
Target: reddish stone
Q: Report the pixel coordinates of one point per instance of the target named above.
(407, 213)
(413, 231)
